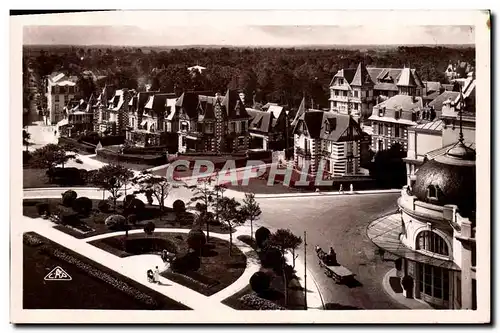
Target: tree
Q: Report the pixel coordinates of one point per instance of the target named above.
(262, 236)
(231, 215)
(153, 185)
(51, 155)
(196, 240)
(112, 178)
(203, 199)
(251, 210)
(149, 228)
(26, 138)
(285, 240)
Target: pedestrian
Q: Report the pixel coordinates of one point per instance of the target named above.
(150, 275)
(341, 190)
(352, 188)
(157, 275)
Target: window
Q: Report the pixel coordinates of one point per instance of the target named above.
(243, 126)
(334, 104)
(209, 128)
(396, 131)
(56, 98)
(241, 142)
(231, 127)
(184, 126)
(381, 112)
(434, 283)
(380, 129)
(306, 146)
(356, 93)
(397, 114)
(380, 145)
(56, 89)
(432, 192)
(432, 242)
(355, 106)
(341, 81)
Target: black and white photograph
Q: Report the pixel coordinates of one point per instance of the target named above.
(250, 167)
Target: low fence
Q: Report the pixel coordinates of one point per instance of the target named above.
(153, 160)
(82, 146)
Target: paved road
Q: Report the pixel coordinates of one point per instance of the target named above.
(339, 221)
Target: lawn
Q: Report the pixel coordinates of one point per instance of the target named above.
(94, 223)
(34, 178)
(217, 270)
(132, 166)
(39, 260)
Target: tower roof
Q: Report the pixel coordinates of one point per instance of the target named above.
(407, 78)
(361, 77)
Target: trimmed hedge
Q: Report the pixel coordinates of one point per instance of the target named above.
(188, 262)
(262, 235)
(259, 303)
(67, 176)
(83, 146)
(260, 282)
(82, 205)
(196, 240)
(115, 222)
(154, 160)
(179, 206)
(68, 198)
(103, 206)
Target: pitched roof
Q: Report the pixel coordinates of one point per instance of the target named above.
(233, 105)
(157, 103)
(300, 112)
(404, 102)
(188, 101)
(432, 85)
(406, 78)
(275, 110)
(437, 103)
(327, 125)
(260, 120)
(170, 107)
(433, 126)
(361, 77)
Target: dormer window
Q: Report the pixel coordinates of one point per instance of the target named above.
(432, 192)
(327, 127)
(381, 112)
(397, 114)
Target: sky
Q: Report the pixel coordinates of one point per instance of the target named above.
(246, 35)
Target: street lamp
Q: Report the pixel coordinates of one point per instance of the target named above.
(287, 134)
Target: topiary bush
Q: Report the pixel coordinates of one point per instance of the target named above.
(196, 240)
(68, 216)
(103, 206)
(179, 206)
(262, 236)
(43, 208)
(82, 205)
(132, 219)
(128, 199)
(68, 198)
(134, 206)
(260, 282)
(272, 258)
(259, 303)
(116, 222)
(149, 228)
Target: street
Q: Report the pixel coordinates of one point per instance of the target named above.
(340, 222)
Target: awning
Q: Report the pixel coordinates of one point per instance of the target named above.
(385, 231)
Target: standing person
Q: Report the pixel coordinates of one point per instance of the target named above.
(157, 275)
(352, 188)
(341, 189)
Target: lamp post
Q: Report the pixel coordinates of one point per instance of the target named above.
(287, 134)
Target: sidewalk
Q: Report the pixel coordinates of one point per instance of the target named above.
(398, 296)
(166, 287)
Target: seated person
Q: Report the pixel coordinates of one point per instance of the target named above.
(150, 275)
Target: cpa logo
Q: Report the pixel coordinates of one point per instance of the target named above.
(57, 274)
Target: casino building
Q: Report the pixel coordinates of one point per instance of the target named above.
(434, 231)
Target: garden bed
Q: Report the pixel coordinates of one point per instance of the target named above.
(104, 288)
(217, 271)
(95, 221)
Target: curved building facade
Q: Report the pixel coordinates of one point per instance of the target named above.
(433, 233)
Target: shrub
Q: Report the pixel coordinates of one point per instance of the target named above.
(188, 262)
(82, 205)
(259, 303)
(179, 206)
(66, 176)
(68, 198)
(262, 235)
(272, 258)
(104, 206)
(43, 208)
(128, 199)
(115, 222)
(31, 239)
(68, 217)
(196, 240)
(132, 219)
(260, 282)
(149, 228)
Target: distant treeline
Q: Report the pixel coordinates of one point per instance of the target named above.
(282, 75)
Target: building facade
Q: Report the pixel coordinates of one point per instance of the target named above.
(78, 118)
(112, 114)
(60, 90)
(268, 128)
(212, 124)
(391, 118)
(434, 232)
(329, 139)
(355, 91)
